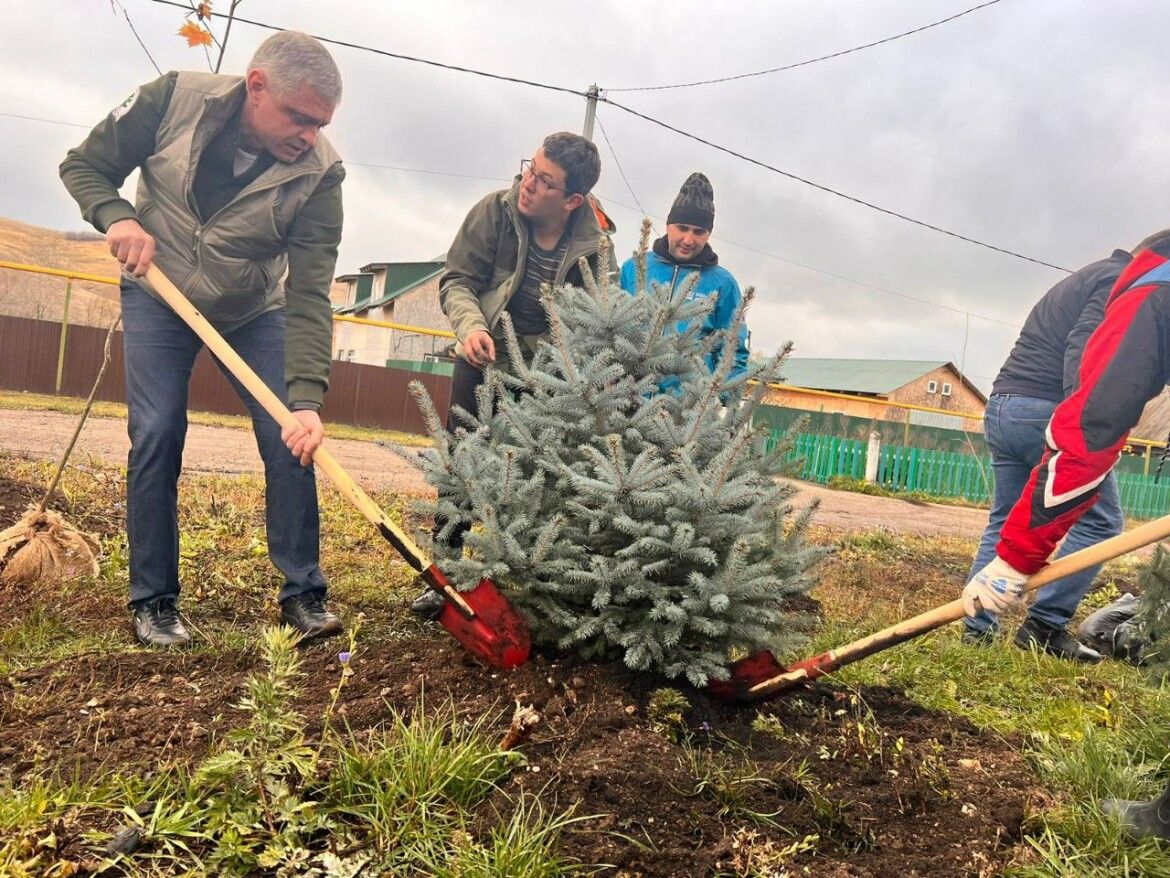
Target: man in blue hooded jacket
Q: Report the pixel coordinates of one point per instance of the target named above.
(684, 250)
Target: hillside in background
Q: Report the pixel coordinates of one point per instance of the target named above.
(23, 294)
(30, 295)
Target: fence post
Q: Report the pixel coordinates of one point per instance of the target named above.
(64, 331)
(873, 455)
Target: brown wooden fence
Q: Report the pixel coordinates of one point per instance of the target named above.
(361, 395)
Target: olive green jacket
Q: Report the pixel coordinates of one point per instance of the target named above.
(233, 265)
(485, 263)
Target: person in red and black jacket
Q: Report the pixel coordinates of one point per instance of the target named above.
(1126, 364)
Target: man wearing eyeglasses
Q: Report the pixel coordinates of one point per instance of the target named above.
(513, 242)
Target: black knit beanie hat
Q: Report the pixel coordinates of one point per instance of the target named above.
(695, 204)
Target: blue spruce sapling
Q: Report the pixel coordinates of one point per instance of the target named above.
(616, 487)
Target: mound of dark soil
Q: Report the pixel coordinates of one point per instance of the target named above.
(15, 497)
(946, 800)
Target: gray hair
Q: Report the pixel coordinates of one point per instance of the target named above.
(291, 58)
(1147, 243)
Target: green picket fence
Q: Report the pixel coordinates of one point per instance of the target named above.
(940, 473)
(1141, 497)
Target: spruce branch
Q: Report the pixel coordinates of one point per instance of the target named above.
(641, 255)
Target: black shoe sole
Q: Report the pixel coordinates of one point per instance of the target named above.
(1028, 646)
(178, 644)
(428, 606)
(313, 636)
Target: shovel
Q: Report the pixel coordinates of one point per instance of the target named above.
(760, 676)
(480, 619)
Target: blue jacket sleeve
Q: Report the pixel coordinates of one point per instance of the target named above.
(627, 276)
(729, 301)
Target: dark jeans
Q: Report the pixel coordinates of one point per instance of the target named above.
(160, 350)
(465, 380)
(1014, 427)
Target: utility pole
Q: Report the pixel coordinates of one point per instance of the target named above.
(590, 110)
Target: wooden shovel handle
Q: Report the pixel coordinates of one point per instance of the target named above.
(280, 412)
(1106, 550)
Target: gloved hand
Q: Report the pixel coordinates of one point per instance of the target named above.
(995, 588)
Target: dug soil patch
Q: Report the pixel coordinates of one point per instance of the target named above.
(887, 787)
(14, 499)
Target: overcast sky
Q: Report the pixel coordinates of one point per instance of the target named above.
(1030, 124)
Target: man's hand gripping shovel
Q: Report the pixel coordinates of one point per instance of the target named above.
(760, 676)
(480, 619)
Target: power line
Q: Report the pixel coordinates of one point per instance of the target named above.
(134, 31)
(49, 121)
(625, 179)
(808, 61)
(870, 286)
(427, 171)
(400, 57)
(637, 206)
(828, 189)
(834, 275)
(650, 119)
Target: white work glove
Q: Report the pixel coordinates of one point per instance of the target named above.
(996, 588)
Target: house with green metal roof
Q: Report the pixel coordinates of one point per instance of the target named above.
(406, 293)
(915, 391)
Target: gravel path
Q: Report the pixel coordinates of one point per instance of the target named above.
(227, 450)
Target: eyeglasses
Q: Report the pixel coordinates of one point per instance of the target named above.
(543, 183)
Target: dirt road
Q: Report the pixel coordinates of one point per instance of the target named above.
(227, 450)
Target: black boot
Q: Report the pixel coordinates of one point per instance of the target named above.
(1054, 641)
(1142, 819)
(157, 623)
(986, 637)
(428, 605)
(307, 614)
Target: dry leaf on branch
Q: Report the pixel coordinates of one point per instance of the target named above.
(195, 35)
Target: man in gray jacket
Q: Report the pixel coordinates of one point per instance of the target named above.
(513, 242)
(239, 203)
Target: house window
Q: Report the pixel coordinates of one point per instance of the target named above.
(946, 391)
(932, 387)
(349, 357)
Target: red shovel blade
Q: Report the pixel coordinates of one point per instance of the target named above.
(760, 676)
(493, 631)
(745, 673)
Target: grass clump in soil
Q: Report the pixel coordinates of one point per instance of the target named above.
(268, 800)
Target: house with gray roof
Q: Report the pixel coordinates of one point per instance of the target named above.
(867, 387)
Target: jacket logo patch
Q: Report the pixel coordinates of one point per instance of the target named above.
(123, 108)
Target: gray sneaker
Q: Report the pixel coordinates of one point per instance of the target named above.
(1142, 819)
(157, 623)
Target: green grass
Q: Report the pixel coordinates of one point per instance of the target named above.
(425, 793)
(1090, 731)
(47, 636)
(401, 801)
(860, 486)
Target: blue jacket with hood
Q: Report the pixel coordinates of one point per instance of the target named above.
(714, 280)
